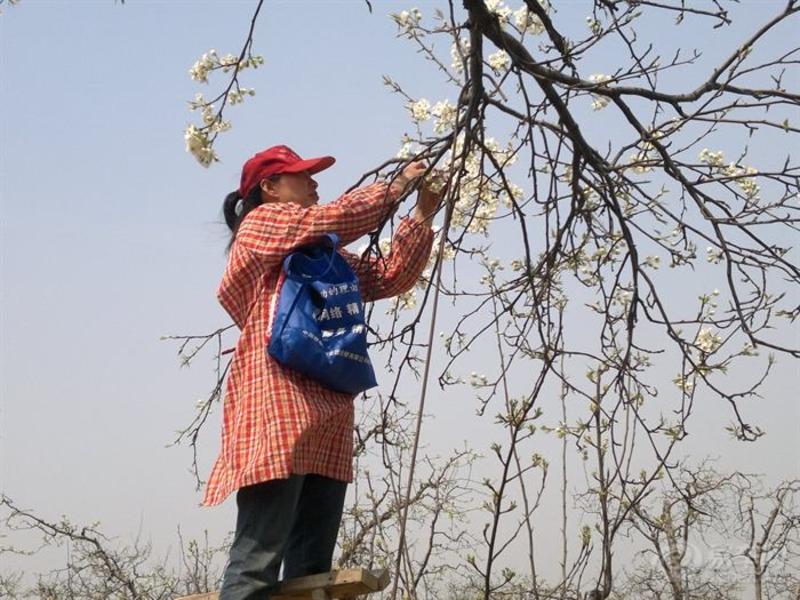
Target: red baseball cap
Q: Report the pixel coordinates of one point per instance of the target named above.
(277, 160)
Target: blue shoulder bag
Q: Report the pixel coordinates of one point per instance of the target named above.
(319, 327)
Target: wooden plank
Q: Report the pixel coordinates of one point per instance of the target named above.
(338, 584)
(346, 583)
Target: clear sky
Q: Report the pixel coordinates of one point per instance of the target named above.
(112, 235)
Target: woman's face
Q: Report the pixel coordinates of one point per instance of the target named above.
(299, 188)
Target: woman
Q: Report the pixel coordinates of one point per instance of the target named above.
(287, 441)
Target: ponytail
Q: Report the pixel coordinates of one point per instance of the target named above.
(235, 209)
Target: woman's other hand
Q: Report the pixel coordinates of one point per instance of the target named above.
(429, 198)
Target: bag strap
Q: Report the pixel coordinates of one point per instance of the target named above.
(332, 239)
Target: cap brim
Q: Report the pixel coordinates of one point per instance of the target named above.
(312, 165)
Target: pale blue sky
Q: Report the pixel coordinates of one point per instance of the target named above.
(112, 236)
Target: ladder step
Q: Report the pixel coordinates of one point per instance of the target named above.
(347, 583)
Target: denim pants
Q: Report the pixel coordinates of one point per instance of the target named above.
(292, 521)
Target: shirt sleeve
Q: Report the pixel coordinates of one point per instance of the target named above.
(271, 231)
(387, 276)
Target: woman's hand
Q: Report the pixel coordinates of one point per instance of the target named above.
(429, 199)
(409, 173)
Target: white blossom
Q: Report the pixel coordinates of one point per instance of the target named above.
(459, 50)
(407, 20)
(405, 301)
(684, 384)
(198, 144)
(713, 255)
(744, 179)
(599, 102)
(496, 7)
(527, 22)
(653, 262)
(446, 115)
(516, 194)
(640, 161)
(206, 63)
(406, 149)
(499, 61)
(708, 341)
(477, 379)
(237, 96)
(420, 110)
(714, 159)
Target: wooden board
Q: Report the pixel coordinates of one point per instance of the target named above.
(347, 583)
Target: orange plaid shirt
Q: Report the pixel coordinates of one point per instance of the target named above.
(275, 421)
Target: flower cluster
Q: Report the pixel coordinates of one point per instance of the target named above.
(237, 96)
(684, 384)
(420, 110)
(198, 144)
(713, 255)
(640, 162)
(477, 195)
(407, 20)
(210, 61)
(406, 148)
(599, 102)
(653, 262)
(713, 159)
(499, 61)
(527, 22)
(500, 10)
(708, 341)
(594, 25)
(743, 176)
(446, 116)
(477, 380)
(459, 50)
(200, 140)
(744, 179)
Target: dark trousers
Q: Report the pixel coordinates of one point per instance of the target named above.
(294, 521)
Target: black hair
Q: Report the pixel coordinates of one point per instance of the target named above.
(249, 202)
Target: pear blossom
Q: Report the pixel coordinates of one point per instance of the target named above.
(446, 115)
(420, 110)
(205, 64)
(714, 159)
(477, 379)
(652, 261)
(708, 341)
(407, 20)
(713, 255)
(599, 102)
(684, 384)
(198, 144)
(496, 7)
(405, 301)
(228, 62)
(237, 96)
(499, 61)
(744, 179)
(406, 149)
(458, 52)
(516, 194)
(527, 22)
(640, 160)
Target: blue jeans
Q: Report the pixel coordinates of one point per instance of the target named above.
(294, 521)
